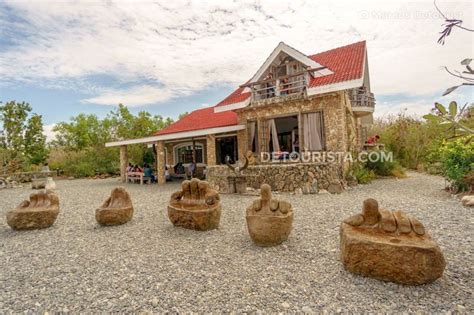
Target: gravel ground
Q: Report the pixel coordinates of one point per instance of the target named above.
(147, 265)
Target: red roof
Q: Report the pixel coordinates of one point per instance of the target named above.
(201, 119)
(346, 62)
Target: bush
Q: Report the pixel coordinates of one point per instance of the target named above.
(383, 167)
(86, 162)
(457, 161)
(361, 174)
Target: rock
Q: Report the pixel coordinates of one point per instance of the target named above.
(196, 206)
(285, 305)
(50, 184)
(269, 221)
(38, 183)
(307, 309)
(335, 187)
(323, 191)
(468, 201)
(116, 210)
(390, 246)
(38, 213)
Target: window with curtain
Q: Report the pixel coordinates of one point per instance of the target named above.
(313, 131)
(252, 137)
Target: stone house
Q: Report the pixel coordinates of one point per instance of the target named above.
(293, 103)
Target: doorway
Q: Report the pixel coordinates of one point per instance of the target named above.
(226, 146)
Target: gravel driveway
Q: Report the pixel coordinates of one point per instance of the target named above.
(148, 265)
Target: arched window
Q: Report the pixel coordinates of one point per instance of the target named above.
(184, 153)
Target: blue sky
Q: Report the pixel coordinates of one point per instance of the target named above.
(66, 58)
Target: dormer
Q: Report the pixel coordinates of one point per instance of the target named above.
(285, 72)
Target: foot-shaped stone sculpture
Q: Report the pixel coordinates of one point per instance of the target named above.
(269, 221)
(37, 213)
(196, 206)
(116, 210)
(391, 246)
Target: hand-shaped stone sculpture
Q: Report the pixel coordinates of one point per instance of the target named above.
(269, 221)
(196, 206)
(389, 246)
(39, 212)
(116, 210)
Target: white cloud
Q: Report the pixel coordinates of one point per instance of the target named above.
(187, 46)
(136, 96)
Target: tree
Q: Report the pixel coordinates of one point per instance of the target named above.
(13, 117)
(35, 140)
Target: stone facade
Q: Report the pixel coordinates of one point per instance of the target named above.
(340, 127)
(291, 177)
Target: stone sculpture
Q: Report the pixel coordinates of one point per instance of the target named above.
(196, 206)
(116, 210)
(251, 158)
(38, 183)
(50, 184)
(269, 221)
(390, 246)
(39, 212)
(238, 182)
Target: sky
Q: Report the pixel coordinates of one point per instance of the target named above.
(169, 57)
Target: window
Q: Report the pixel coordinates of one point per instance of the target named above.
(184, 153)
(313, 131)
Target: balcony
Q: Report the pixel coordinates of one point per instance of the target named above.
(286, 86)
(362, 101)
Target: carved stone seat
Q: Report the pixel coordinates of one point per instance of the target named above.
(269, 221)
(196, 206)
(39, 212)
(390, 246)
(116, 210)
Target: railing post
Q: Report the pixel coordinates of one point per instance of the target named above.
(277, 87)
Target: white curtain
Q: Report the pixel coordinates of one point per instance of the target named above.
(252, 134)
(313, 131)
(274, 134)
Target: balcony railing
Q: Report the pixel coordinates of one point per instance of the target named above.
(361, 97)
(283, 86)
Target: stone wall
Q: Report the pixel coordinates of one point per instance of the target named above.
(291, 177)
(24, 177)
(333, 106)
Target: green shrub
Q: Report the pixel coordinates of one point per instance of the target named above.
(457, 161)
(383, 167)
(361, 174)
(86, 162)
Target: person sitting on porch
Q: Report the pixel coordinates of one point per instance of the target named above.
(130, 168)
(138, 169)
(373, 140)
(179, 168)
(167, 174)
(192, 169)
(148, 172)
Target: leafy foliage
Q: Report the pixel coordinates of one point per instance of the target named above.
(22, 136)
(457, 161)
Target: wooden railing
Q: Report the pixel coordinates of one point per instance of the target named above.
(283, 86)
(361, 97)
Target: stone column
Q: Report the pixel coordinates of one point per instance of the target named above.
(123, 163)
(211, 150)
(160, 158)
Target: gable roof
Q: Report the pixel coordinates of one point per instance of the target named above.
(282, 47)
(204, 118)
(346, 64)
